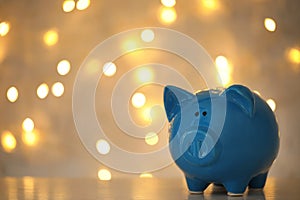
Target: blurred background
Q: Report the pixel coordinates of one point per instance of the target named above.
(43, 43)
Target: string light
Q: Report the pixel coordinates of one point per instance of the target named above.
(57, 89)
(270, 24)
(168, 3)
(63, 67)
(8, 141)
(109, 69)
(144, 74)
(104, 175)
(103, 147)
(42, 91)
(51, 37)
(68, 5)
(147, 35)
(138, 100)
(167, 15)
(82, 4)
(28, 125)
(4, 28)
(12, 94)
(224, 69)
(151, 138)
(210, 4)
(146, 175)
(294, 55)
(29, 138)
(272, 104)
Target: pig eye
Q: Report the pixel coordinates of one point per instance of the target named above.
(204, 113)
(196, 114)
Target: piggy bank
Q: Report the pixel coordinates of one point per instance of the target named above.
(237, 155)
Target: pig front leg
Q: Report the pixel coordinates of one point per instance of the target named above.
(195, 185)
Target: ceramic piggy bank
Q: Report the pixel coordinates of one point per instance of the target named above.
(227, 137)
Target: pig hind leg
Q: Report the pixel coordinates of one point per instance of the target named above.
(258, 182)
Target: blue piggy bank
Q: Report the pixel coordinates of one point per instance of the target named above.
(237, 155)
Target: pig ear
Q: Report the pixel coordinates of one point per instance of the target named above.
(243, 97)
(172, 98)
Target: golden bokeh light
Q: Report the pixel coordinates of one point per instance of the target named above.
(51, 37)
(4, 28)
(68, 5)
(82, 4)
(144, 75)
(12, 94)
(257, 92)
(168, 3)
(58, 89)
(103, 146)
(147, 35)
(167, 15)
(224, 69)
(8, 141)
(210, 4)
(294, 55)
(272, 104)
(270, 24)
(42, 91)
(109, 69)
(146, 175)
(29, 138)
(28, 125)
(63, 67)
(138, 100)
(151, 138)
(104, 175)
(129, 45)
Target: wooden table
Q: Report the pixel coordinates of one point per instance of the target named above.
(136, 188)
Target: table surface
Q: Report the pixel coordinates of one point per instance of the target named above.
(136, 188)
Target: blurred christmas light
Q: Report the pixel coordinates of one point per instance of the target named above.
(145, 115)
(104, 175)
(42, 91)
(103, 147)
(28, 125)
(51, 37)
(82, 4)
(8, 141)
(12, 94)
(144, 74)
(257, 92)
(272, 104)
(167, 15)
(294, 55)
(168, 3)
(68, 5)
(57, 89)
(29, 138)
(4, 28)
(147, 35)
(109, 69)
(224, 69)
(270, 24)
(129, 45)
(63, 67)
(151, 138)
(210, 4)
(138, 100)
(146, 175)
